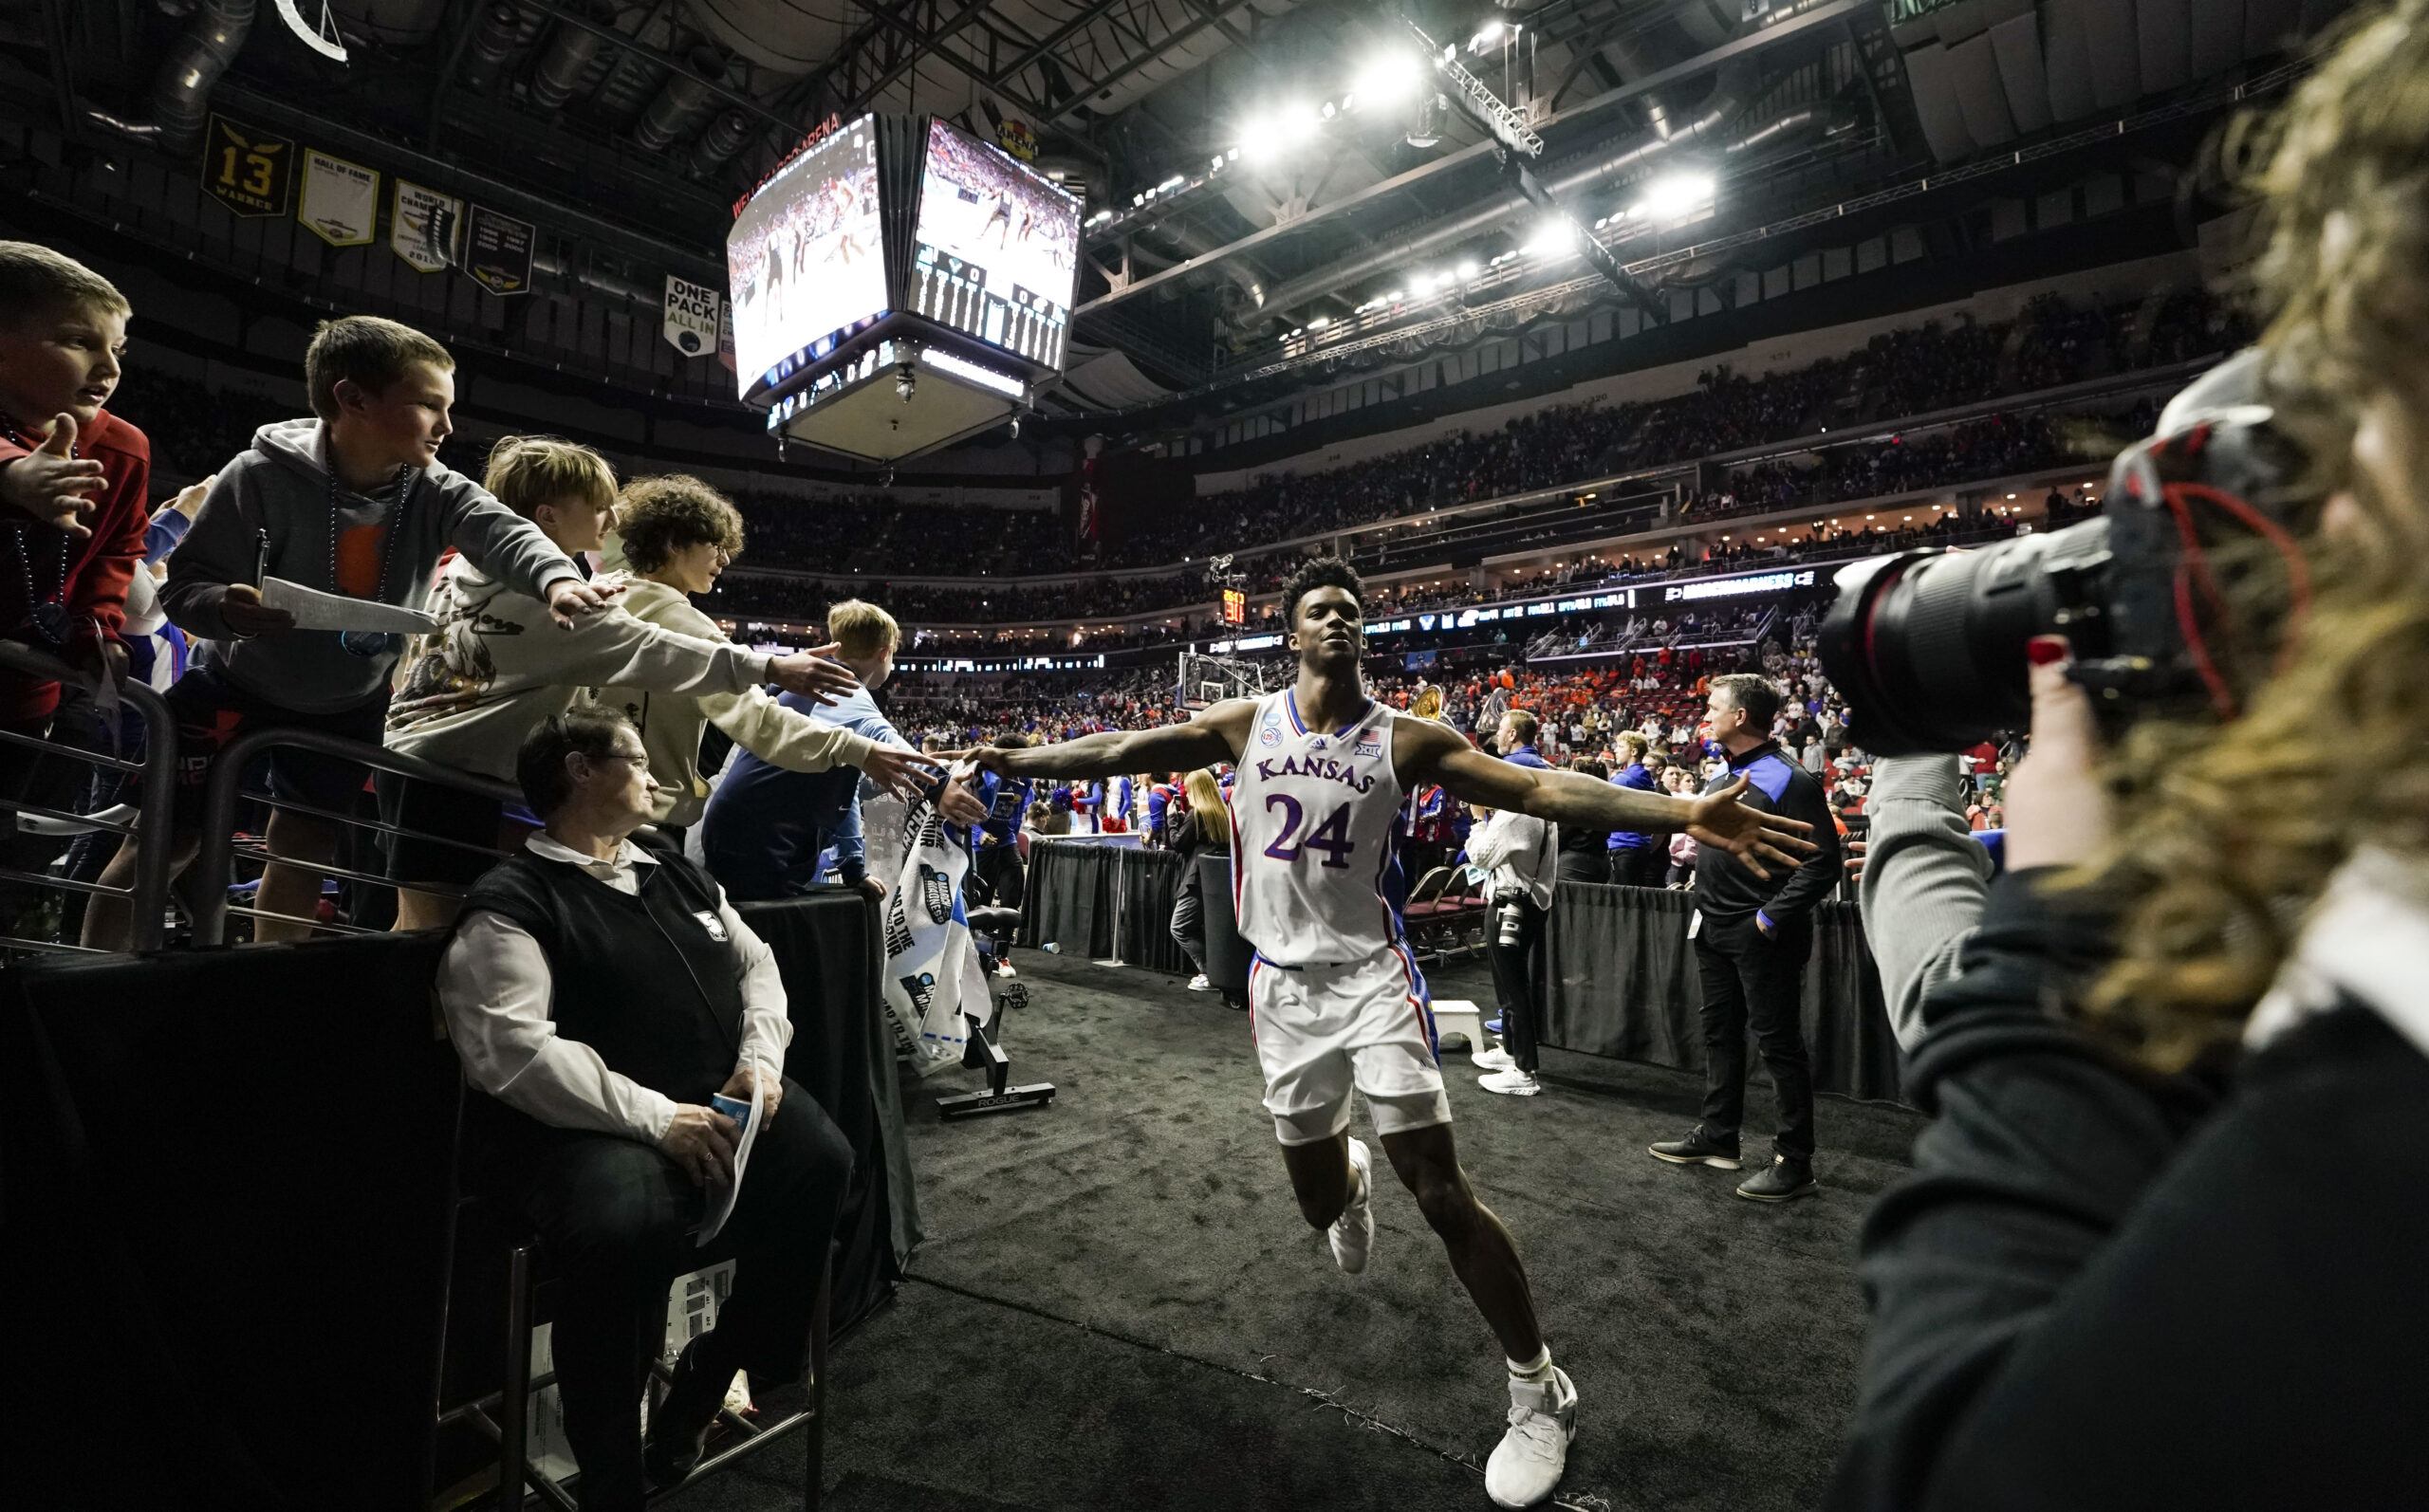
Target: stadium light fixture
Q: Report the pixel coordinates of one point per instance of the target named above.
(1487, 35)
(1675, 197)
(1388, 77)
(1468, 271)
(1553, 235)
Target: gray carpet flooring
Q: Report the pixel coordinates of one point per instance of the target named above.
(1117, 1304)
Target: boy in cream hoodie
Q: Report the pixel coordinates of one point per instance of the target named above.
(468, 693)
(678, 534)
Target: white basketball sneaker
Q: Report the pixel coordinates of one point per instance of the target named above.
(1527, 1463)
(1494, 1059)
(1353, 1232)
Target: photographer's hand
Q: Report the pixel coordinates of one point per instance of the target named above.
(2057, 807)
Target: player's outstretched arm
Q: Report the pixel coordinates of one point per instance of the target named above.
(1715, 819)
(1215, 735)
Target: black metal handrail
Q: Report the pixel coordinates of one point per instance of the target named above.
(220, 797)
(148, 895)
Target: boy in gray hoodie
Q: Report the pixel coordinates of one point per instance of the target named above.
(354, 502)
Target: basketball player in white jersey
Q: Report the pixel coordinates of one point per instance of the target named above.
(1335, 998)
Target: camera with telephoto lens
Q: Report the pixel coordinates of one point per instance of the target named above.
(2174, 600)
(1510, 915)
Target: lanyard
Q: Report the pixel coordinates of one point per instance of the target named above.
(49, 616)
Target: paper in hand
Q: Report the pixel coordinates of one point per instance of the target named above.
(315, 610)
(721, 1198)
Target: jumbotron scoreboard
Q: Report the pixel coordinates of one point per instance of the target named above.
(898, 285)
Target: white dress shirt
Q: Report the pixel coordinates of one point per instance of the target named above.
(494, 987)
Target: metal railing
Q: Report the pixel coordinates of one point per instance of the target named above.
(222, 846)
(156, 773)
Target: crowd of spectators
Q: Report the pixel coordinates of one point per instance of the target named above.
(1658, 692)
(1907, 371)
(882, 534)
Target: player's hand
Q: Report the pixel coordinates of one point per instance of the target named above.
(959, 805)
(872, 889)
(968, 763)
(1855, 859)
(812, 675)
(701, 1141)
(2057, 807)
(738, 1086)
(1749, 835)
(570, 598)
(903, 773)
(52, 484)
(246, 615)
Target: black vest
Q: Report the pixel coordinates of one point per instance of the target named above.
(649, 981)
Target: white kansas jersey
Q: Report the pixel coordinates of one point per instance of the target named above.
(1312, 825)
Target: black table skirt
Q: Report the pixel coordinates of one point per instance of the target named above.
(1102, 902)
(1620, 981)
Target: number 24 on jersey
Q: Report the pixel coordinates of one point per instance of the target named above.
(1331, 835)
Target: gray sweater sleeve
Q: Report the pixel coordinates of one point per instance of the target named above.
(1924, 880)
(501, 542)
(222, 546)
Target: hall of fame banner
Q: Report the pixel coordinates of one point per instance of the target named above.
(341, 200)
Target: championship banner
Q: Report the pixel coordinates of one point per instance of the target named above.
(497, 251)
(246, 169)
(340, 201)
(692, 311)
(932, 971)
(425, 227)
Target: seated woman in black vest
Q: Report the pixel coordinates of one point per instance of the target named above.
(601, 989)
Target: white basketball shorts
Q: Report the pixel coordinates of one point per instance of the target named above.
(1323, 1029)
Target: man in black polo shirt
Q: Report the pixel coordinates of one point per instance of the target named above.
(603, 990)
(1752, 938)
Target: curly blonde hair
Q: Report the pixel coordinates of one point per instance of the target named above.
(2229, 834)
(657, 517)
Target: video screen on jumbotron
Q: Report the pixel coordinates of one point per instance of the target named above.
(997, 248)
(806, 256)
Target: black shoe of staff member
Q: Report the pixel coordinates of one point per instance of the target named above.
(680, 1429)
(1783, 1180)
(1698, 1149)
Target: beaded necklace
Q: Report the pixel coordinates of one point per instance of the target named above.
(49, 616)
(372, 642)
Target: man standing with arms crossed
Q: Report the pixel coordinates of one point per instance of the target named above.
(1337, 999)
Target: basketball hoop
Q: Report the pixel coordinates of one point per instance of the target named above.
(323, 38)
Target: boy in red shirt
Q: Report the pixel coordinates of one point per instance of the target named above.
(72, 521)
(72, 475)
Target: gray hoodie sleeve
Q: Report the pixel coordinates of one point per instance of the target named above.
(499, 541)
(1925, 877)
(222, 546)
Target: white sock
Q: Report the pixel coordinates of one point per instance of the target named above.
(1540, 1369)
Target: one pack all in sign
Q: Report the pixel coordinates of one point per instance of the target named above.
(691, 325)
